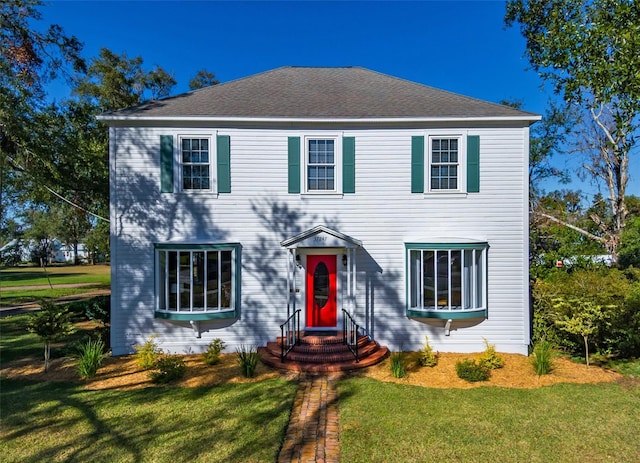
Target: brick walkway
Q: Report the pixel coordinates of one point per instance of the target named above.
(312, 435)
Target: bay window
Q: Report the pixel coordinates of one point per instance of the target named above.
(446, 280)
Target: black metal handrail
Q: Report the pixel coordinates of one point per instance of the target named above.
(289, 334)
(350, 333)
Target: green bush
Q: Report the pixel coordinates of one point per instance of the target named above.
(248, 357)
(542, 357)
(90, 356)
(398, 365)
(616, 292)
(490, 358)
(472, 371)
(212, 355)
(167, 368)
(427, 358)
(147, 354)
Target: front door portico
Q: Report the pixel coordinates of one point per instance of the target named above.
(316, 281)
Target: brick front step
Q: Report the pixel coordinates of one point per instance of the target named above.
(321, 354)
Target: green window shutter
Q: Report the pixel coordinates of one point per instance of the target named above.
(166, 163)
(294, 164)
(473, 164)
(417, 164)
(224, 163)
(348, 165)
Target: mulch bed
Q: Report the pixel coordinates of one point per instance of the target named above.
(123, 373)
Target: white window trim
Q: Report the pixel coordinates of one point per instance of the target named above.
(304, 153)
(461, 136)
(213, 162)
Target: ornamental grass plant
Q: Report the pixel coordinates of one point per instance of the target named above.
(542, 357)
(90, 355)
(248, 358)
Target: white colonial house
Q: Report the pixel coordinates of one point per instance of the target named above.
(320, 197)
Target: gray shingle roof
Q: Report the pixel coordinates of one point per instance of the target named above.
(321, 93)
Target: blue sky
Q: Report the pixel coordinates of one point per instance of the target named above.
(459, 46)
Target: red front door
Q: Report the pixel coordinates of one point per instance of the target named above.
(321, 291)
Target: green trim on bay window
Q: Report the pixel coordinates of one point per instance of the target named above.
(294, 164)
(196, 247)
(473, 164)
(196, 316)
(440, 246)
(224, 163)
(447, 314)
(417, 164)
(166, 163)
(348, 165)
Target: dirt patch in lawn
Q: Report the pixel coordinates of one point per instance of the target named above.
(123, 373)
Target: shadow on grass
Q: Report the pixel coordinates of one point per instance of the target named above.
(240, 422)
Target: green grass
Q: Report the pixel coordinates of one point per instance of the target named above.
(16, 342)
(66, 274)
(386, 422)
(97, 276)
(61, 422)
(21, 296)
(630, 367)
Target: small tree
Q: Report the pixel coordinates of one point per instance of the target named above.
(51, 323)
(584, 320)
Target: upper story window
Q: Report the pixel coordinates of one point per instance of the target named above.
(321, 165)
(445, 160)
(445, 163)
(196, 163)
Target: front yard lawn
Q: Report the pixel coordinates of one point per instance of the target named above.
(387, 422)
(62, 422)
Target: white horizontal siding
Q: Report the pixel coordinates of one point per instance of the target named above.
(259, 213)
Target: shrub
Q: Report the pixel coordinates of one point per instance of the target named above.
(248, 357)
(472, 371)
(490, 358)
(428, 358)
(90, 356)
(398, 365)
(148, 353)
(542, 357)
(168, 368)
(212, 355)
(52, 323)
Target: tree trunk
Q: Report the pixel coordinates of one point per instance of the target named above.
(586, 349)
(47, 355)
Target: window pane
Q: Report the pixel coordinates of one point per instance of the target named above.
(198, 280)
(212, 280)
(173, 280)
(442, 283)
(184, 280)
(456, 279)
(429, 272)
(162, 275)
(414, 279)
(479, 277)
(467, 279)
(226, 279)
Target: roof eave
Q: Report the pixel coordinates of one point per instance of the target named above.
(364, 120)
